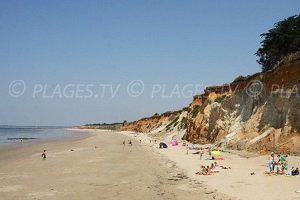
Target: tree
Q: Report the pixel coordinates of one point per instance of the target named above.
(278, 42)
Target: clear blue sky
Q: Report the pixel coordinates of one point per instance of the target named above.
(114, 42)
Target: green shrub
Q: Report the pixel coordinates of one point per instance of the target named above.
(219, 99)
(176, 123)
(207, 101)
(195, 110)
(197, 96)
(183, 123)
(172, 122)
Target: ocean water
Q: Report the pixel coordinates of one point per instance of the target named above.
(13, 136)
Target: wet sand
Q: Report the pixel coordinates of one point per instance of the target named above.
(95, 167)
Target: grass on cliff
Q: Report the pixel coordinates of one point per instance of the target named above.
(196, 110)
(198, 96)
(293, 58)
(174, 122)
(219, 99)
(183, 123)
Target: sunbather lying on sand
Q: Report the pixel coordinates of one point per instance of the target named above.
(223, 167)
(204, 171)
(214, 168)
(215, 165)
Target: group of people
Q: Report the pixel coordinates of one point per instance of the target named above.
(209, 170)
(204, 170)
(129, 142)
(279, 165)
(293, 172)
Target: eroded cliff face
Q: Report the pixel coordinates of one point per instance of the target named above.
(150, 124)
(255, 113)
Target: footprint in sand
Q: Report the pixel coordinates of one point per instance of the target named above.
(124, 182)
(187, 187)
(99, 159)
(17, 176)
(67, 171)
(80, 149)
(41, 194)
(11, 188)
(36, 155)
(68, 151)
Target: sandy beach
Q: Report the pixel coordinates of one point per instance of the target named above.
(149, 100)
(96, 166)
(235, 182)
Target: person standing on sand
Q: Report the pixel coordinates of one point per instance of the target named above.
(209, 152)
(124, 144)
(130, 143)
(201, 154)
(187, 149)
(44, 155)
(271, 163)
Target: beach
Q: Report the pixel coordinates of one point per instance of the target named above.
(96, 166)
(150, 100)
(245, 180)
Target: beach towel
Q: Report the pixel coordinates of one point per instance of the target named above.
(215, 159)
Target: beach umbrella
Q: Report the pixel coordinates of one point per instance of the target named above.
(215, 153)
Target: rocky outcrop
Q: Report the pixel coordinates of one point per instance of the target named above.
(256, 113)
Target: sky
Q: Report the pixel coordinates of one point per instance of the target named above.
(70, 62)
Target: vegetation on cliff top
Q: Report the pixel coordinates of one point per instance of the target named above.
(112, 126)
(279, 42)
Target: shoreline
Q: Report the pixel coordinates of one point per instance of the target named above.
(27, 143)
(257, 186)
(21, 150)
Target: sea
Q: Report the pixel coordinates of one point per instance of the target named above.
(14, 136)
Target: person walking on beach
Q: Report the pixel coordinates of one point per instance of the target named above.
(201, 154)
(44, 155)
(187, 149)
(124, 144)
(130, 143)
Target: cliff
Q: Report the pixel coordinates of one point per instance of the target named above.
(159, 126)
(258, 113)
